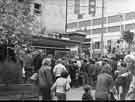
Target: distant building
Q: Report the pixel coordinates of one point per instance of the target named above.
(113, 26)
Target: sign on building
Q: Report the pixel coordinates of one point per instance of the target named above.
(92, 7)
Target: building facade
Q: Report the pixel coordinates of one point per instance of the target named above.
(113, 26)
(116, 21)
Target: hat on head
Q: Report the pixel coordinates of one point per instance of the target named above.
(46, 61)
(59, 61)
(87, 87)
(129, 58)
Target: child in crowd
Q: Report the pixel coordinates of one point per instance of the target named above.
(87, 93)
(61, 86)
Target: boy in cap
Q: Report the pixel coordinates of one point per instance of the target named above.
(87, 93)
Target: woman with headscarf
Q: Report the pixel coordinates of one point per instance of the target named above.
(130, 60)
(45, 79)
(104, 83)
(122, 80)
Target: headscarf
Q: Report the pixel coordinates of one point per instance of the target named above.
(129, 58)
(106, 69)
(46, 61)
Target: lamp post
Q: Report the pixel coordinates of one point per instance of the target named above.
(102, 33)
(91, 44)
(66, 16)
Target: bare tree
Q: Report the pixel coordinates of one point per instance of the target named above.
(128, 36)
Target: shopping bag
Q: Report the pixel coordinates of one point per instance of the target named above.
(23, 72)
(67, 86)
(69, 79)
(34, 77)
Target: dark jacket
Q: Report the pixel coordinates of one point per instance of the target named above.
(37, 62)
(103, 86)
(91, 68)
(84, 68)
(45, 77)
(86, 97)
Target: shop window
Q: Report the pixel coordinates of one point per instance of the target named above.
(97, 45)
(109, 42)
(37, 8)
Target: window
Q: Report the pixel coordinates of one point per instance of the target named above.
(113, 19)
(80, 16)
(72, 25)
(114, 29)
(77, 6)
(99, 21)
(98, 30)
(109, 42)
(97, 45)
(129, 26)
(84, 23)
(130, 15)
(37, 8)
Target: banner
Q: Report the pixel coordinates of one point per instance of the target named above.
(92, 7)
(77, 6)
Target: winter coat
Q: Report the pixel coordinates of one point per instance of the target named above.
(103, 86)
(45, 79)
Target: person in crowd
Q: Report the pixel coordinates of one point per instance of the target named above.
(45, 80)
(77, 73)
(60, 86)
(53, 60)
(87, 93)
(122, 80)
(27, 59)
(84, 72)
(72, 72)
(130, 60)
(104, 83)
(113, 64)
(98, 65)
(37, 61)
(59, 68)
(91, 72)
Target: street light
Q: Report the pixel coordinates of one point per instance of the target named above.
(66, 16)
(102, 33)
(91, 44)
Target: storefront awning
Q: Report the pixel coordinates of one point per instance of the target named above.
(52, 42)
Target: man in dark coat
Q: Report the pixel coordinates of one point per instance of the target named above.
(104, 83)
(37, 61)
(113, 64)
(84, 72)
(91, 68)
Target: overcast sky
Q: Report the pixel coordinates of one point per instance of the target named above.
(118, 6)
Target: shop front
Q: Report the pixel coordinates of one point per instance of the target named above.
(52, 46)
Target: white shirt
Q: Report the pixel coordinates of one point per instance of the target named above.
(60, 85)
(58, 69)
(132, 84)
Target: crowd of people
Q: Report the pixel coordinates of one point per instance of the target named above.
(112, 78)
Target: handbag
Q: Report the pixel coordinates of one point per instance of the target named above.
(67, 86)
(34, 77)
(23, 72)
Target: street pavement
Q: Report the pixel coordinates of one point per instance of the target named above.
(73, 94)
(76, 94)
